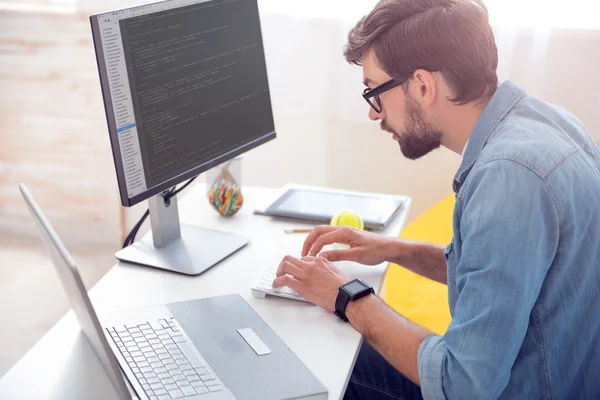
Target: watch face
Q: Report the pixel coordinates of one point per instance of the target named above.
(354, 287)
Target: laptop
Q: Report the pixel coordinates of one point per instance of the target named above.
(214, 348)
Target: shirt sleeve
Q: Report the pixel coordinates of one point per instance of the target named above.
(509, 231)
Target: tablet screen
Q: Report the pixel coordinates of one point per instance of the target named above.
(324, 205)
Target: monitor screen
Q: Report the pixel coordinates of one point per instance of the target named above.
(185, 89)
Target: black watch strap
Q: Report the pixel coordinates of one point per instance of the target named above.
(341, 302)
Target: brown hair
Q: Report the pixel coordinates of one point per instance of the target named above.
(453, 37)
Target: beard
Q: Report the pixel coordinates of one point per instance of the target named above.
(419, 137)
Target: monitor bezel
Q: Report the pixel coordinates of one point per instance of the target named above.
(127, 201)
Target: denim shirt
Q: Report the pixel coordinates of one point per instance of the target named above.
(524, 262)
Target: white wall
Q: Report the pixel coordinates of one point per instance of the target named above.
(326, 138)
(324, 135)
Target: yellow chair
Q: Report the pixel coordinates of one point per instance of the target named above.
(423, 301)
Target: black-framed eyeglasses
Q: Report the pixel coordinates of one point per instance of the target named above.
(372, 95)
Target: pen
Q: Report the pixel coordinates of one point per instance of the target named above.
(298, 230)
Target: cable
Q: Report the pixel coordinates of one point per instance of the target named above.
(131, 236)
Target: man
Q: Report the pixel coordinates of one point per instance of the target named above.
(523, 268)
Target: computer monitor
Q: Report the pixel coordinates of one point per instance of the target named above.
(185, 89)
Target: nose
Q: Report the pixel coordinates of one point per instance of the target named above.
(374, 115)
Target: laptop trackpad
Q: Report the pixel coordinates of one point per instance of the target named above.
(259, 347)
(215, 326)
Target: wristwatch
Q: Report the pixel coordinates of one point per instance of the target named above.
(351, 291)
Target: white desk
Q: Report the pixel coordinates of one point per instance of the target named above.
(62, 365)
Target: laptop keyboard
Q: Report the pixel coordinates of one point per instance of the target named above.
(163, 360)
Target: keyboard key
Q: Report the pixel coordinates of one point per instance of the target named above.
(176, 394)
(206, 377)
(120, 328)
(156, 365)
(202, 370)
(172, 346)
(176, 352)
(150, 374)
(179, 361)
(188, 390)
(140, 340)
(142, 364)
(146, 387)
(194, 378)
(179, 339)
(211, 383)
(139, 359)
(182, 383)
(184, 366)
(163, 336)
(157, 346)
(150, 335)
(171, 366)
(146, 369)
(137, 335)
(160, 370)
(164, 397)
(198, 384)
(153, 380)
(163, 323)
(162, 351)
(164, 375)
(153, 359)
(143, 381)
(178, 377)
(201, 390)
(215, 388)
(136, 354)
(164, 356)
(171, 386)
(168, 381)
(134, 330)
(189, 372)
(156, 386)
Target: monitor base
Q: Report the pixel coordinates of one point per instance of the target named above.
(194, 252)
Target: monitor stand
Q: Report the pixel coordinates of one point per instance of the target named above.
(185, 249)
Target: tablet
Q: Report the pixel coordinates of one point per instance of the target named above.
(320, 206)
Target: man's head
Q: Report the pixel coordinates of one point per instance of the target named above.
(440, 54)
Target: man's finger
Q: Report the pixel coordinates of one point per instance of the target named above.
(337, 236)
(288, 281)
(310, 239)
(288, 268)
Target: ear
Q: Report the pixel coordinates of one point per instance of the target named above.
(424, 88)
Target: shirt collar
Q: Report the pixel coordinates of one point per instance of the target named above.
(503, 100)
(464, 149)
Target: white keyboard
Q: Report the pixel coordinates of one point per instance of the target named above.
(263, 285)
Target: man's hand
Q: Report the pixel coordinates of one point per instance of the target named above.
(365, 247)
(315, 279)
